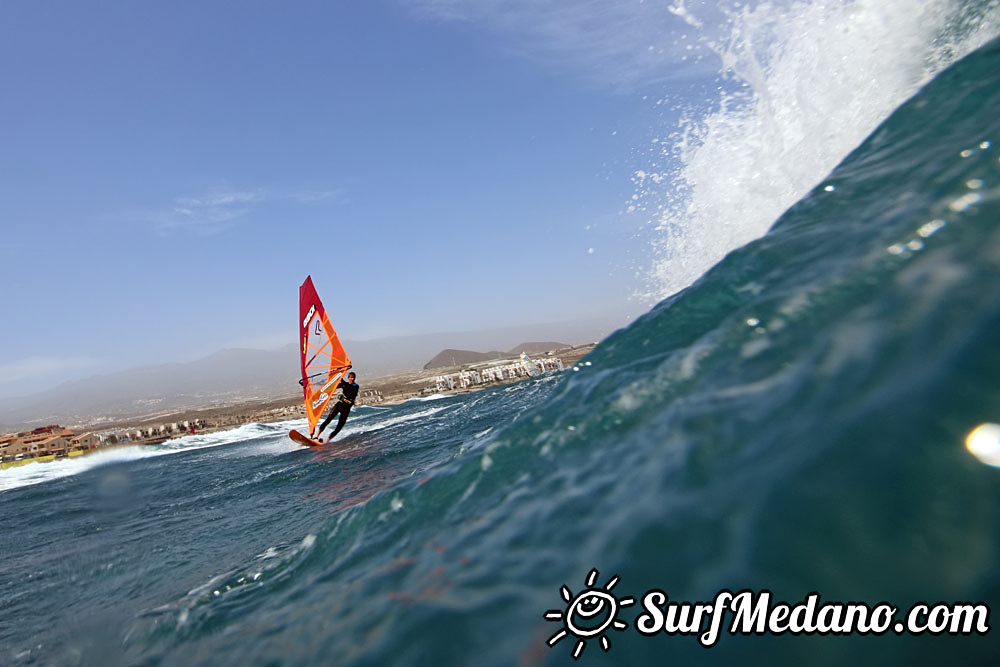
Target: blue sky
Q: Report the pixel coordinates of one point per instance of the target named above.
(172, 171)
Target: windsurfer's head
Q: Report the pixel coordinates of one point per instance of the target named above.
(351, 376)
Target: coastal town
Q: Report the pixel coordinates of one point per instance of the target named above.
(45, 443)
(53, 442)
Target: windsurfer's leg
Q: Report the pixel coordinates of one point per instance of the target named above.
(340, 423)
(326, 422)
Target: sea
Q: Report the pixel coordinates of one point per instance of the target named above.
(810, 421)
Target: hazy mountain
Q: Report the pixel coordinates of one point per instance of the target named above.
(538, 348)
(225, 375)
(451, 357)
(241, 374)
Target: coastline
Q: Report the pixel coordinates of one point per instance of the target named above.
(388, 390)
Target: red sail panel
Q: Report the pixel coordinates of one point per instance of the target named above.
(323, 357)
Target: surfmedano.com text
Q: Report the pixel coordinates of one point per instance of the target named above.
(753, 613)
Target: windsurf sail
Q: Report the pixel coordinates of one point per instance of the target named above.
(530, 367)
(324, 359)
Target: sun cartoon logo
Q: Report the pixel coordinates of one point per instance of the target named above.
(588, 614)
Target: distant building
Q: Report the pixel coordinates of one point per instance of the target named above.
(32, 440)
(45, 441)
(9, 446)
(490, 371)
(85, 441)
(54, 444)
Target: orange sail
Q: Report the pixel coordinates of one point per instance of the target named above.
(324, 360)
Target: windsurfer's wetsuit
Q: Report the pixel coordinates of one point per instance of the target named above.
(341, 407)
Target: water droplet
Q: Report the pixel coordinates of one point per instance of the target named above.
(928, 229)
(965, 201)
(983, 442)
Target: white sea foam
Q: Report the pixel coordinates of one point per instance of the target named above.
(266, 439)
(424, 399)
(391, 420)
(802, 84)
(39, 472)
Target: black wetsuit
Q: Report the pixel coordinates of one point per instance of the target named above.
(341, 407)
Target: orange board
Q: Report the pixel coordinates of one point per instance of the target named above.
(303, 439)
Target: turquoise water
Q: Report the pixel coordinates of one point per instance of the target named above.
(793, 421)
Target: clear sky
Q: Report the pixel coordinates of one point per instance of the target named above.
(172, 171)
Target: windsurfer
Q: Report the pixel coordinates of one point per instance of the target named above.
(342, 407)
